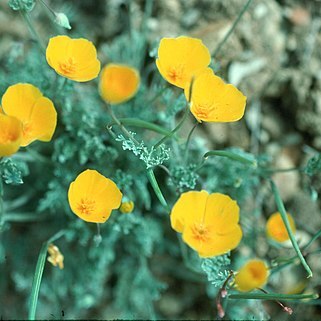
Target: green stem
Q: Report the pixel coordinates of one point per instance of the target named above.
(315, 236)
(188, 141)
(179, 125)
(143, 124)
(281, 170)
(32, 30)
(237, 20)
(230, 155)
(38, 275)
(121, 126)
(23, 217)
(157, 190)
(286, 222)
(272, 296)
(1, 199)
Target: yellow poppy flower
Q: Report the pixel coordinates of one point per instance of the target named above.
(254, 274)
(92, 196)
(127, 207)
(182, 58)
(214, 101)
(10, 134)
(36, 112)
(276, 229)
(208, 223)
(75, 59)
(118, 83)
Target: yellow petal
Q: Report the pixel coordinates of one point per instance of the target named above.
(42, 122)
(179, 59)
(276, 229)
(118, 83)
(254, 274)
(222, 210)
(10, 135)
(19, 99)
(213, 100)
(189, 207)
(210, 243)
(37, 113)
(75, 59)
(92, 196)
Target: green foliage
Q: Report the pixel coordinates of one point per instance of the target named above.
(314, 165)
(26, 5)
(13, 171)
(216, 269)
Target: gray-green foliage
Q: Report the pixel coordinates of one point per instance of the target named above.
(314, 165)
(216, 269)
(26, 5)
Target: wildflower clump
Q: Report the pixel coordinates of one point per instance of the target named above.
(183, 62)
(208, 222)
(275, 227)
(10, 135)
(254, 274)
(36, 113)
(92, 196)
(75, 59)
(118, 83)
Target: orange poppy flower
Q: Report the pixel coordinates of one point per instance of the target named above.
(10, 134)
(208, 223)
(92, 196)
(118, 83)
(276, 229)
(182, 58)
(254, 274)
(214, 101)
(75, 59)
(36, 112)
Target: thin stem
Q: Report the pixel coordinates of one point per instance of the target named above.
(49, 9)
(316, 236)
(281, 170)
(157, 190)
(188, 141)
(97, 237)
(2, 218)
(143, 124)
(156, 96)
(286, 222)
(179, 125)
(121, 126)
(237, 20)
(271, 296)
(32, 30)
(285, 308)
(38, 275)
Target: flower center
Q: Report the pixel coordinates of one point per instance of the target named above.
(86, 206)
(68, 67)
(175, 73)
(201, 232)
(202, 110)
(7, 137)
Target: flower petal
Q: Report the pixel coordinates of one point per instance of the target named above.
(19, 99)
(189, 207)
(10, 135)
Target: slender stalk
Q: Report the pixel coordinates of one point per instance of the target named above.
(228, 154)
(179, 125)
(188, 141)
(121, 126)
(2, 218)
(315, 237)
(156, 96)
(286, 222)
(285, 308)
(32, 30)
(38, 275)
(228, 34)
(143, 124)
(272, 296)
(157, 190)
(281, 170)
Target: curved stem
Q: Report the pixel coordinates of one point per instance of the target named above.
(237, 20)
(38, 275)
(286, 222)
(188, 141)
(179, 125)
